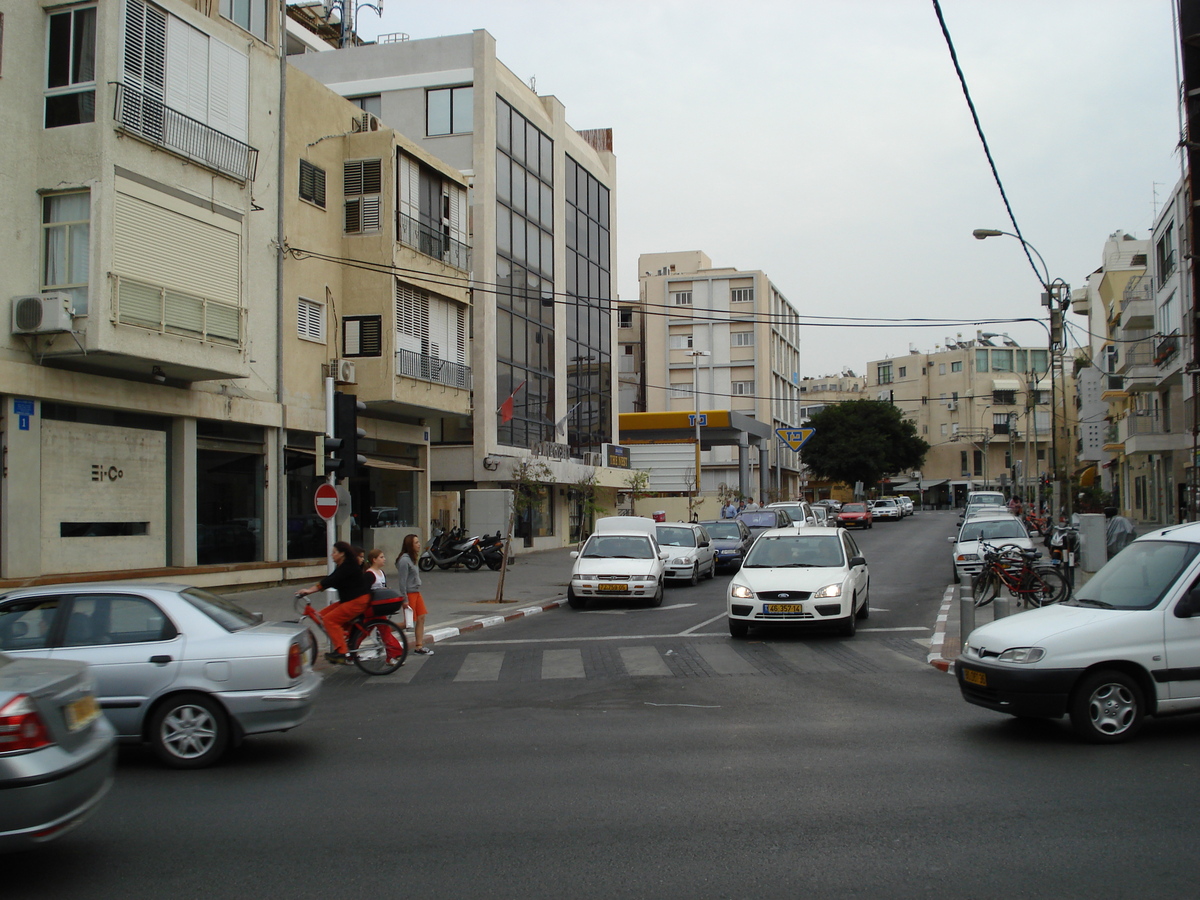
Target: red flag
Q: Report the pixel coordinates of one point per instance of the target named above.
(506, 408)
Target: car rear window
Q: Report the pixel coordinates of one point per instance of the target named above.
(759, 519)
(221, 610)
(1004, 528)
(723, 530)
(669, 536)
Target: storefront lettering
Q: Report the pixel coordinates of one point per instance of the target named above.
(100, 472)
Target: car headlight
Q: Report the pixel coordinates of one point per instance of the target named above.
(577, 577)
(830, 590)
(641, 578)
(1022, 655)
(968, 557)
(680, 561)
(741, 592)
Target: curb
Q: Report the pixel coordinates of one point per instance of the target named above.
(434, 635)
(938, 640)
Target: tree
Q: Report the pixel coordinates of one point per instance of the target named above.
(862, 440)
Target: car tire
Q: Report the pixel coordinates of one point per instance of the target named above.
(957, 579)
(712, 570)
(849, 626)
(657, 599)
(695, 576)
(1107, 707)
(738, 628)
(865, 612)
(574, 601)
(189, 731)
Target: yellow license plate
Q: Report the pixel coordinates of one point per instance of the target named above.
(974, 677)
(794, 608)
(82, 712)
(612, 587)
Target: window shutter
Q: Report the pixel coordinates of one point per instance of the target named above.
(352, 178)
(353, 216)
(227, 90)
(370, 213)
(458, 213)
(362, 336)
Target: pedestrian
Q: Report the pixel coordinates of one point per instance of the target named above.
(752, 506)
(409, 585)
(741, 506)
(1118, 531)
(354, 593)
(730, 511)
(375, 569)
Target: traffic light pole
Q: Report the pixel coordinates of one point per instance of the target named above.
(330, 477)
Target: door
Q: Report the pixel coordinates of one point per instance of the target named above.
(1182, 641)
(132, 646)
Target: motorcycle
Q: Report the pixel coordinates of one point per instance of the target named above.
(448, 549)
(1063, 542)
(491, 546)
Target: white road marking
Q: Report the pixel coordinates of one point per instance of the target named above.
(643, 661)
(480, 667)
(562, 664)
(724, 660)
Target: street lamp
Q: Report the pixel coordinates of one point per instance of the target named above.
(1050, 289)
(695, 355)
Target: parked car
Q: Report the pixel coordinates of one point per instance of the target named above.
(731, 539)
(800, 576)
(799, 511)
(690, 548)
(186, 671)
(821, 516)
(991, 499)
(761, 520)
(829, 503)
(886, 509)
(1122, 648)
(906, 505)
(57, 751)
(998, 528)
(621, 559)
(857, 515)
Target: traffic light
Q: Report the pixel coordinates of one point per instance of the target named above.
(338, 455)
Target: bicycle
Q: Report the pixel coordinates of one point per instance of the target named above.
(1015, 568)
(377, 645)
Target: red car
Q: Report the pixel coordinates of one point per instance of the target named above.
(855, 515)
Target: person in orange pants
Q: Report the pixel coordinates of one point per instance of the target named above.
(354, 594)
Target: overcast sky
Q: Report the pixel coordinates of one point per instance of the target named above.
(829, 143)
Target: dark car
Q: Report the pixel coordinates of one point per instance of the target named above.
(761, 520)
(731, 539)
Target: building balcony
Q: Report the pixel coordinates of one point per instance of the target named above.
(433, 243)
(1138, 366)
(1137, 312)
(146, 117)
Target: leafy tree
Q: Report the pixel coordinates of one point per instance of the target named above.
(862, 440)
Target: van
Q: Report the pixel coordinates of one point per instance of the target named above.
(1125, 647)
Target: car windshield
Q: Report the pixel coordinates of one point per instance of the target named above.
(619, 546)
(854, 507)
(1138, 576)
(759, 519)
(674, 536)
(786, 551)
(724, 531)
(885, 502)
(224, 612)
(1000, 528)
(985, 501)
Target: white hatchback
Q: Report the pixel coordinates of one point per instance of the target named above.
(800, 576)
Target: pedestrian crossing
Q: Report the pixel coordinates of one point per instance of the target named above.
(712, 658)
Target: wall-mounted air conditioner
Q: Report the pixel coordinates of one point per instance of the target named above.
(365, 122)
(342, 371)
(952, 405)
(42, 314)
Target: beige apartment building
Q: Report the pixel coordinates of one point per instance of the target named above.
(984, 406)
(704, 338)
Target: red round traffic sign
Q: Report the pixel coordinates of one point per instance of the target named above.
(326, 501)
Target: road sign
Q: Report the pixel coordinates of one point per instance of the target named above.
(795, 437)
(326, 501)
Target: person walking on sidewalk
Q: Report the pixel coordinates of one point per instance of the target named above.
(354, 593)
(409, 585)
(375, 569)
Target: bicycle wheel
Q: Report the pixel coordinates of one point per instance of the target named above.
(1046, 586)
(986, 586)
(369, 646)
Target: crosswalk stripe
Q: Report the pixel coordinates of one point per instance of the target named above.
(804, 657)
(724, 660)
(643, 661)
(562, 664)
(480, 667)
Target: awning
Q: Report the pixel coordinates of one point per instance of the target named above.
(1087, 477)
(932, 484)
(1005, 384)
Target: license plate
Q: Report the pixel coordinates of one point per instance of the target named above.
(612, 587)
(82, 712)
(974, 677)
(784, 608)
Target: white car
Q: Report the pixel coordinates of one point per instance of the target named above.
(801, 513)
(1126, 646)
(998, 528)
(800, 576)
(621, 560)
(691, 551)
(906, 505)
(886, 508)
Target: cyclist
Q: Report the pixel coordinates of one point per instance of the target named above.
(354, 594)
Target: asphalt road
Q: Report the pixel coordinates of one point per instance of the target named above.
(644, 753)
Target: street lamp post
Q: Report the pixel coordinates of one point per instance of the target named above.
(695, 355)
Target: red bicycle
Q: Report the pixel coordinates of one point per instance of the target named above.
(377, 645)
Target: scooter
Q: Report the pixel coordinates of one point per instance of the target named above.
(449, 549)
(491, 546)
(1064, 546)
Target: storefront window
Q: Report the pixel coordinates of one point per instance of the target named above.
(229, 493)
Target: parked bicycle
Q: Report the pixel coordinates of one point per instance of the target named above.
(1012, 568)
(378, 646)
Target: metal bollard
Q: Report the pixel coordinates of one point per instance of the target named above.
(966, 610)
(1002, 604)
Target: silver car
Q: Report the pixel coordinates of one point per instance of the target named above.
(57, 752)
(177, 667)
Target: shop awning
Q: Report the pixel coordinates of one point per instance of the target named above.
(1087, 478)
(1005, 384)
(932, 484)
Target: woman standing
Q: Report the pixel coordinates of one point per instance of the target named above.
(410, 586)
(354, 593)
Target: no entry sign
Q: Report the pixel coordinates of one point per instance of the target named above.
(326, 501)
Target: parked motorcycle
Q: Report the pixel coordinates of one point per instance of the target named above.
(1064, 548)
(448, 549)
(491, 546)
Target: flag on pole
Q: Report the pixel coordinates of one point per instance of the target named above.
(561, 426)
(506, 408)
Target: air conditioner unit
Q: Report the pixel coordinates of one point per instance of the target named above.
(342, 371)
(365, 122)
(42, 314)
(952, 405)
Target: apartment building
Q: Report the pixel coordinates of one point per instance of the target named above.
(818, 393)
(984, 406)
(542, 231)
(718, 338)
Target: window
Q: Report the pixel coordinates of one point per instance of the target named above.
(941, 368)
(310, 322)
(372, 104)
(1002, 360)
(680, 342)
(66, 228)
(1165, 316)
(945, 430)
(978, 468)
(903, 370)
(625, 317)
(741, 295)
(741, 339)
(27, 624)
(1000, 423)
(956, 366)
(362, 183)
(71, 68)
(115, 619)
(362, 336)
(962, 458)
(449, 110)
(1165, 254)
(682, 298)
(884, 374)
(1004, 398)
(742, 388)
(981, 360)
(312, 183)
(249, 15)
(1039, 361)
(683, 389)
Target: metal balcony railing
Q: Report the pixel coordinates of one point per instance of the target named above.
(432, 242)
(430, 368)
(1165, 348)
(1144, 422)
(150, 119)
(168, 311)
(1140, 287)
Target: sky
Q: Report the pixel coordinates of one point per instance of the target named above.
(828, 143)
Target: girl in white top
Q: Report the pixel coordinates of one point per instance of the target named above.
(375, 568)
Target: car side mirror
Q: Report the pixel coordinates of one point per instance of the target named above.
(858, 561)
(952, 539)
(664, 555)
(574, 554)
(1189, 606)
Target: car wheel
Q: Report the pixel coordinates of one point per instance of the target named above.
(865, 612)
(574, 601)
(738, 628)
(1107, 707)
(695, 577)
(189, 731)
(657, 599)
(957, 579)
(712, 570)
(850, 624)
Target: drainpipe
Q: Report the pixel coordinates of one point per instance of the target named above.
(281, 450)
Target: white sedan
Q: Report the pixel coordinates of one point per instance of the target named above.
(800, 576)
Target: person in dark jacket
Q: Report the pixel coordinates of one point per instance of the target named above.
(354, 593)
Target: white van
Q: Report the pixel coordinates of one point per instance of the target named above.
(621, 559)
(1126, 646)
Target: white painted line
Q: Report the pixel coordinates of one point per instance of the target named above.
(643, 661)
(441, 634)
(897, 628)
(723, 615)
(480, 667)
(562, 664)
